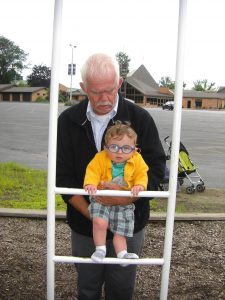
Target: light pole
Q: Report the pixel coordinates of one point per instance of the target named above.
(71, 71)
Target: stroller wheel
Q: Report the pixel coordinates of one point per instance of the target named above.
(200, 188)
(190, 190)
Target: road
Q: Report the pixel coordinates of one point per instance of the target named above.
(24, 137)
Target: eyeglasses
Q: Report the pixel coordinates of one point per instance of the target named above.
(115, 148)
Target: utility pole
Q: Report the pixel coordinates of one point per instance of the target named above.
(71, 71)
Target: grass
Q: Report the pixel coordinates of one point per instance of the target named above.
(209, 201)
(24, 188)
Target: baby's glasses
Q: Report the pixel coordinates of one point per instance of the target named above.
(126, 149)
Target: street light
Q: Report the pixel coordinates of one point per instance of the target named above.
(72, 71)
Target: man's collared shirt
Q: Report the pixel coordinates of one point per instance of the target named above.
(100, 122)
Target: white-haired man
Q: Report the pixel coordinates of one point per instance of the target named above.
(81, 130)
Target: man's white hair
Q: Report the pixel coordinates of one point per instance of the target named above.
(99, 66)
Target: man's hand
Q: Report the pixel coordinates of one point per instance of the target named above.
(112, 200)
(110, 186)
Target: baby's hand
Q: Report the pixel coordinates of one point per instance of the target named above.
(90, 188)
(136, 189)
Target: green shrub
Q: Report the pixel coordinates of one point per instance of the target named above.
(42, 100)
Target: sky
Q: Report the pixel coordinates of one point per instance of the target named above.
(146, 30)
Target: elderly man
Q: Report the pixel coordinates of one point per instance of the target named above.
(81, 130)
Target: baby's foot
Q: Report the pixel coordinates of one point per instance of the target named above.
(98, 255)
(129, 256)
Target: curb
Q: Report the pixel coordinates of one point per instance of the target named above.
(42, 214)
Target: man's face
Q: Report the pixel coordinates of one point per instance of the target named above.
(102, 93)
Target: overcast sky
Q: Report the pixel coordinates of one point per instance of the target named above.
(146, 30)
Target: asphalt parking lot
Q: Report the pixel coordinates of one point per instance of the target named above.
(24, 137)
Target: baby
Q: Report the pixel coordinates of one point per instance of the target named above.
(121, 164)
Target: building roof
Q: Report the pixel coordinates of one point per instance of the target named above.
(141, 80)
(76, 91)
(205, 95)
(221, 89)
(25, 89)
(5, 86)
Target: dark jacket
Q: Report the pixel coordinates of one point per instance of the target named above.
(76, 148)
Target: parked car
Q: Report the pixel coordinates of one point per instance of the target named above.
(168, 105)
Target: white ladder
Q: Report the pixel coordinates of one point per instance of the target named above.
(53, 190)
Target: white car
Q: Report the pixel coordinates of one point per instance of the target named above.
(168, 105)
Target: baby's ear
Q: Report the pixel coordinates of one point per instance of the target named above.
(138, 149)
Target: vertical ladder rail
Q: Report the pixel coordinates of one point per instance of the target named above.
(175, 149)
(54, 90)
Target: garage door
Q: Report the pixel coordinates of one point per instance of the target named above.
(5, 96)
(16, 96)
(26, 97)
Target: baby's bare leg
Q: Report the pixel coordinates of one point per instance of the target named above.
(99, 234)
(119, 243)
(99, 231)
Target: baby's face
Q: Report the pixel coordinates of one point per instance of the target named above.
(119, 156)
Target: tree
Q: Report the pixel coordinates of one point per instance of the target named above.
(166, 81)
(40, 76)
(12, 60)
(203, 85)
(123, 61)
(21, 83)
(63, 96)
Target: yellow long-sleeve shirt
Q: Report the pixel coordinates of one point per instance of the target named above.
(100, 169)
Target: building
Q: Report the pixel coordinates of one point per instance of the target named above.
(13, 93)
(204, 100)
(77, 94)
(140, 86)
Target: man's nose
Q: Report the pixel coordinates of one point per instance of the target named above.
(103, 96)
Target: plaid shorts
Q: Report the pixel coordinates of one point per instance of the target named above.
(120, 218)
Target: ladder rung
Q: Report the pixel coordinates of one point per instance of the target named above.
(109, 260)
(154, 194)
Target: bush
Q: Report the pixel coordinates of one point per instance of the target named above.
(72, 102)
(42, 100)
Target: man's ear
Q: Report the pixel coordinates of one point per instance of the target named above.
(120, 82)
(83, 87)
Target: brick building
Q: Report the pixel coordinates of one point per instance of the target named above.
(13, 93)
(204, 100)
